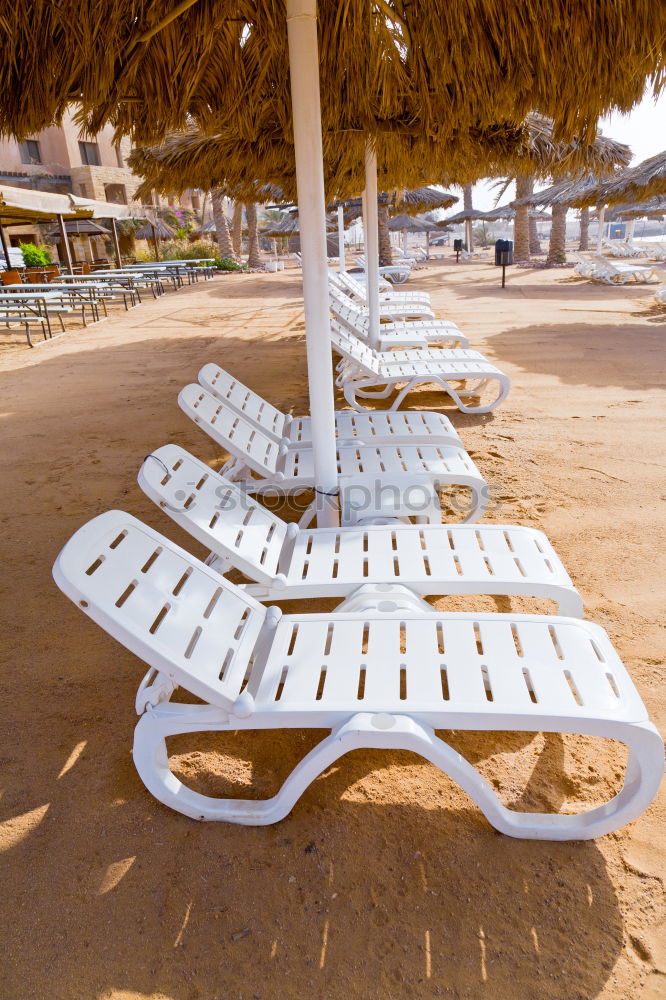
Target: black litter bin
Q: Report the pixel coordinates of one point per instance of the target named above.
(503, 253)
(457, 246)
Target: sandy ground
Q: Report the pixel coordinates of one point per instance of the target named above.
(385, 881)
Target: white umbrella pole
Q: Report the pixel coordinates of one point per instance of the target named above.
(370, 222)
(304, 74)
(341, 238)
(631, 225)
(600, 235)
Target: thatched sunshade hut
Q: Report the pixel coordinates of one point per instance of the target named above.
(412, 224)
(560, 197)
(645, 180)
(156, 230)
(583, 156)
(77, 227)
(149, 67)
(654, 208)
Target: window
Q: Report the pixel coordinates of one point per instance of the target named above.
(83, 190)
(30, 152)
(89, 154)
(119, 156)
(116, 193)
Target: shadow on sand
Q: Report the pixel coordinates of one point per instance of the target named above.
(105, 891)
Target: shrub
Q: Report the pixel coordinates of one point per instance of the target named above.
(226, 264)
(35, 256)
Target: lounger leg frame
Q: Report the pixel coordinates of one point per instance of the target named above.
(353, 389)
(391, 732)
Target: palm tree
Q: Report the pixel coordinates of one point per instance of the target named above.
(521, 222)
(467, 206)
(384, 237)
(584, 229)
(253, 254)
(237, 229)
(535, 245)
(558, 236)
(221, 225)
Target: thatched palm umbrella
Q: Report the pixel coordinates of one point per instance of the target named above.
(156, 230)
(410, 201)
(552, 157)
(149, 67)
(565, 194)
(79, 227)
(653, 208)
(411, 224)
(645, 180)
(467, 217)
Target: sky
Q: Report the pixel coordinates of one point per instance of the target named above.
(643, 129)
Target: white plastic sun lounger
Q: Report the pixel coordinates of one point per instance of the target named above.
(416, 333)
(372, 374)
(291, 470)
(288, 562)
(381, 673)
(395, 273)
(660, 296)
(349, 284)
(391, 309)
(613, 273)
(352, 427)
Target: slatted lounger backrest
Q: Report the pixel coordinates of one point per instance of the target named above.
(227, 388)
(346, 312)
(164, 605)
(352, 286)
(234, 432)
(215, 511)
(349, 346)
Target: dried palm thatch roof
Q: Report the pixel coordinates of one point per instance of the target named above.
(290, 225)
(407, 202)
(467, 213)
(411, 224)
(411, 66)
(245, 170)
(205, 229)
(645, 180)
(81, 227)
(158, 228)
(652, 207)
(507, 213)
(570, 192)
(583, 154)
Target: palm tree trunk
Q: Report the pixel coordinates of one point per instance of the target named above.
(467, 205)
(384, 237)
(558, 236)
(535, 246)
(521, 222)
(237, 229)
(221, 225)
(253, 254)
(584, 229)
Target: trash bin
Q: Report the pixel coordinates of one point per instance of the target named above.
(503, 253)
(457, 246)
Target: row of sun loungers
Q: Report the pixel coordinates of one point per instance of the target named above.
(623, 248)
(599, 268)
(384, 669)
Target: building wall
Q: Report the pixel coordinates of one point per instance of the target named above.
(62, 167)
